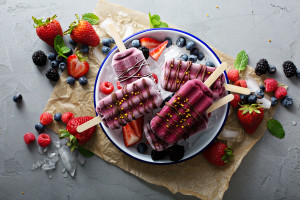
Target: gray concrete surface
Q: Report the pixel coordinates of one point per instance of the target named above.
(271, 170)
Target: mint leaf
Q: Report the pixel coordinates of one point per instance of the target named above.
(91, 18)
(155, 21)
(65, 50)
(275, 128)
(241, 61)
(60, 46)
(85, 152)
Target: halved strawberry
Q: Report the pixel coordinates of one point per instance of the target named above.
(137, 126)
(129, 136)
(77, 66)
(150, 43)
(155, 53)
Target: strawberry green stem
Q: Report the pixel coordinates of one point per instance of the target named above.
(228, 155)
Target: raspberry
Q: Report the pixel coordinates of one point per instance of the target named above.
(46, 118)
(29, 138)
(44, 140)
(106, 87)
(241, 83)
(280, 92)
(233, 75)
(270, 84)
(235, 102)
(66, 117)
(155, 78)
(119, 85)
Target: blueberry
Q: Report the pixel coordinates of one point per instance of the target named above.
(252, 99)
(287, 101)
(190, 45)
(84, 48)
(244, 98)
(201, 56)
(169, 42)
(166, 100)
(180, 42)
(183, 57)
(59, 59)
(274, 101)
(135, 43)
(259, 94)
(194, 51)
(17, 98)
(53, 64)
(72, 42)
(262, 87)
(39, 127)
(209, 63)
(83, 80)
(112, 40)
(71, 80)
(52, 55)
(193, 58)
(106, 42)
(62, 66)
(272, 69)
(142, 148)
(69, 52)
(105, 50)
(57, 117)
(298, 73)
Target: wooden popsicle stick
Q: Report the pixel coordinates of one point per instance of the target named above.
(116, 37)
(215, 75)
(220, 103)
(237, 89)
(89, 124)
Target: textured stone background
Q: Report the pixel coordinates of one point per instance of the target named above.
(270, 171)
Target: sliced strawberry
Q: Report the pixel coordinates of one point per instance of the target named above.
(150, 43)
(129, 136)
(77, 66)
(155, 53)
(137, 126)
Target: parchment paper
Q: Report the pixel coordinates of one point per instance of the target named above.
(194, 177)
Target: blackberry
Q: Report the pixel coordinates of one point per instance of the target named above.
(158, 155)
(145, 51)
(52, 74)
(262, 67)
(39, 58)
(289, 69)
(176, 152)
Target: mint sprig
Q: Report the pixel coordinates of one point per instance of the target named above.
(91, 18)
(241, 61)
(60, 46)
(275, 128)
(156, 23)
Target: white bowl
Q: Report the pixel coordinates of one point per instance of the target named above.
(193, 145)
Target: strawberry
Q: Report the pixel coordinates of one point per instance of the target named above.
(129, 135)
(150, 43)
(137, 126)
(250, 116)
(155, 53)
(82, 31)
(48, 30)
(77, 65)
(76, 138)
(218, 153)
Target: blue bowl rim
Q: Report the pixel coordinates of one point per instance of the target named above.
(140, 32)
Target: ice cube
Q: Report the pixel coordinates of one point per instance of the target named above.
(171, 52)
(50, 176)
(128, 32)
(252, 84)
(41, 150)
(294, 123)
(63, 170)
(68, 159)
(105, 23)
(96, 52)
(50, 161)
(81, 159)
(231, 134)
(266, 103)
(57, 144)
(45, 149)
(37, 165)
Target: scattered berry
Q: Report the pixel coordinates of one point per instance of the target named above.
(145, 51)
(59, 59)
(106, 42)
(289, 69)
(39, 58)
(252, 98)
(262, 87)
(119, 85)
(209, 63)
(218, 153)
(66, 117)
(17, 98)
(46, 118)
(112, 40)
(83, 80)
(142, 148)
(259, 94)
(105, 50)
(62, 66)
(57, 117)
(298, 73)
(180, 42)
(262, 67)
(176, 152)
(194, 51)
(155, 78)
(70, 80)
(52, 74)
(190, 45)
(84, 49)
(44, 140)
(287, 101)
(236, 100)
(274, 101)
(72, 42)
(29, 138)
(69, 52)
(244, 99)
(169, 42)
(250, 116)
(158, 155)
(270, 84)
(53, 64)
(192, 58)
(272, 69)
(155, 53)
(77, 65)
(280, 92)
(241, 83)
(52, 55)
(183, 57)
(39, 127)
(150, 43)
(233, 75)
(106, 87)
(201, 56)
(135, 43)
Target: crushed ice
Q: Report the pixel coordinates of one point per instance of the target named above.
(68, 159)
